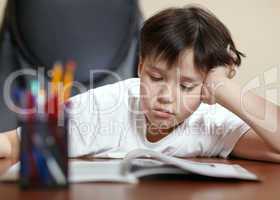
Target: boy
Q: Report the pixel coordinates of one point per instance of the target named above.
(184, 102)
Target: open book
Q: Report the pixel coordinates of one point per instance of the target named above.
(140, 163)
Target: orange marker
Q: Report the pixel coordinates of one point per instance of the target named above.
(56, 78)
(68, 79)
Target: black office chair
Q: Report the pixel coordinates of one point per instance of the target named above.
(97, 34)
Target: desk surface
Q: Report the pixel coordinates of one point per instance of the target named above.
(190, 187)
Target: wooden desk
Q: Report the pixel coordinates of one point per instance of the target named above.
(191, 187)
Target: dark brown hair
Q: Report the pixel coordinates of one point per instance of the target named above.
(171, 31)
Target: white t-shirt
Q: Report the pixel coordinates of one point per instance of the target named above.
(108, 122)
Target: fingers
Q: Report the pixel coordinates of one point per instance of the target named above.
(5, 147)
(207, 96)
(208, 92)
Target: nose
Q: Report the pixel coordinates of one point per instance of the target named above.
(166, 95)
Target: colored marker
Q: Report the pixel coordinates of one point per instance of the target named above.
(68, 79)
(56, 78)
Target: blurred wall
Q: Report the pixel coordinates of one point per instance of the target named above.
(255, 26)
(2, 5)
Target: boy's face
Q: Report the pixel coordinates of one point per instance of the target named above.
(169, 95)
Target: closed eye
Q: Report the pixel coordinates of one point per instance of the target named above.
(154, 78)
(187, 88)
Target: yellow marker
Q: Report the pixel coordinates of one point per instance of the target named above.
(68, 79)
(56, 78)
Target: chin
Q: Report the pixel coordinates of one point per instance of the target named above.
(165, 123)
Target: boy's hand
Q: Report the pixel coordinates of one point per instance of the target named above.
(9, 144)
(5, 146)
(214, 79)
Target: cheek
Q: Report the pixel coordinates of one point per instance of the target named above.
(148, 93)
(189, 103)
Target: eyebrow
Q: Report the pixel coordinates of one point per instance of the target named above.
(182, 78)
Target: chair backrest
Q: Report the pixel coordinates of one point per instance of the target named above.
(97, 34)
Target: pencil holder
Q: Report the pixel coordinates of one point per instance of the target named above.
(43, 151)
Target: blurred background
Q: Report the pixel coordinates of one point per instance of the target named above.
(255, 29)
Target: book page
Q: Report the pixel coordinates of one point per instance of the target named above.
(206, 169)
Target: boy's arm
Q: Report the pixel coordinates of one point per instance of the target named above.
(262, 141)
(253, 147)
(9, 144)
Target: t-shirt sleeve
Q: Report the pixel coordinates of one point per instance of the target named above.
(227, 129)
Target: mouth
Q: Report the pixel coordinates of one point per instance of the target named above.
(162, 113)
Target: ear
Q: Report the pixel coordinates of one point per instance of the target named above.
(140, 66)
(231, 71)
